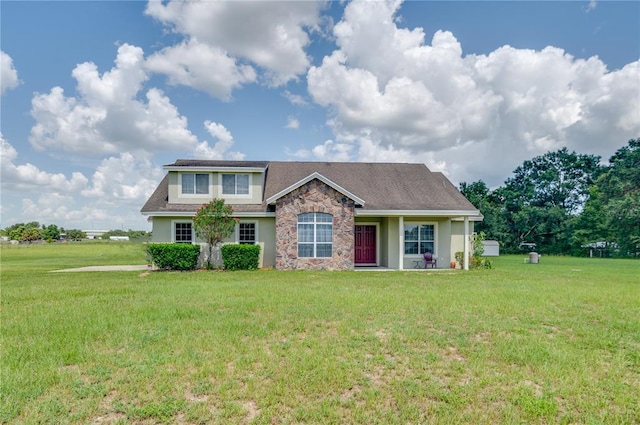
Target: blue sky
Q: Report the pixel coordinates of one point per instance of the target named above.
(98, 95)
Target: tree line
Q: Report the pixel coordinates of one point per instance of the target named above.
(34, 231)
(565, 203)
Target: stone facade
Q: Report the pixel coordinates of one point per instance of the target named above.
(314, 196)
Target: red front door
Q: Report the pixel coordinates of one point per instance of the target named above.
(365, 245)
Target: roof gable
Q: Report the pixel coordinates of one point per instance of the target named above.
(272, 199)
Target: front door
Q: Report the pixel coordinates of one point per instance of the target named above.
(365, 244)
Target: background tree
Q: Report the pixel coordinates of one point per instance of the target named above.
(489, 205)
(591, 225)
(542, 197)
(76, 234)
(24, 232)
(15, 234)
(615, 203)
(31, 234)
(51, 232)
(134, 235)
(213, 223)
(10, 231)
(114, 232)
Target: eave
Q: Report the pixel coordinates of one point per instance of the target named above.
(214, 169)
(419, 213)
(192, 213)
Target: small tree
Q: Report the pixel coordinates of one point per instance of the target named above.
(31, 234)
(213, 223)
(76, 234)
(477, 261)
(51, 232)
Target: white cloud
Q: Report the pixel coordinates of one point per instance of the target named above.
(107, 117)
(221, 148)
(295, 99)
(332, 151)
(428, 102)
(201, 67)
(114, 194)
(591, 6)
(69, 214)
(270, 35)
(292, 123)
(24, 177)
(123, 179)
(55, 207)
(8, 73)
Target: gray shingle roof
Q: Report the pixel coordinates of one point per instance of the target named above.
(383, 186)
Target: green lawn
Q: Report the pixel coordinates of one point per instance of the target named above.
(556, 342)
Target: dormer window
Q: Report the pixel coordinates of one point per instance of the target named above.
(235, 184)
(195, 184)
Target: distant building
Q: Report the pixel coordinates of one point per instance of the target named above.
(491, 248)
(93, 234)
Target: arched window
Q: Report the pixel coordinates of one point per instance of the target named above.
(315, 235)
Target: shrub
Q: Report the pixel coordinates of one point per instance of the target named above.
(460, 258)
(475, 262)
(480, 263)
(241, 257)
(174, 256)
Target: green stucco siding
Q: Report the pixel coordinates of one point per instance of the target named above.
(265, 237)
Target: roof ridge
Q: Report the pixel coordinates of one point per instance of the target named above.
(349, 162)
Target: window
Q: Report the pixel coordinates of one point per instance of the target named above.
(315, 235)
(235, 184)
(183, 233)
(195, 184)
(247, 233)
(419, 238)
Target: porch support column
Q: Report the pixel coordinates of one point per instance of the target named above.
(466, 243)
(401, 243)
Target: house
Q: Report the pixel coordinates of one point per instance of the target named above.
(320, 215)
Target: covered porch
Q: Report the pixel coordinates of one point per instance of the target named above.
(398, 242)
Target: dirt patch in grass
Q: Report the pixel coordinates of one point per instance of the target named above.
(453, 354)
(252, 409)
(107, 416)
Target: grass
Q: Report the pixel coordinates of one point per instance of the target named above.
(556, 342)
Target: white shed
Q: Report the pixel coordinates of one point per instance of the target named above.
(491, 249)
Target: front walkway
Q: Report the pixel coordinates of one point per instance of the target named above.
(386, 269)
(123, 268)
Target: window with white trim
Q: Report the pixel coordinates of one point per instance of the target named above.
(419, 238)
(195, 184)
(315, 235)
(183, 232)
(247, 233)
(235, 184)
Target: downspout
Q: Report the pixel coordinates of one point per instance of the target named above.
(466, 243)
(401, 243)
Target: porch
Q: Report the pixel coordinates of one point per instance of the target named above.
(399, 242)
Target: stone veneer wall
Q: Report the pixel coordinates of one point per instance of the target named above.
(314, 196)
